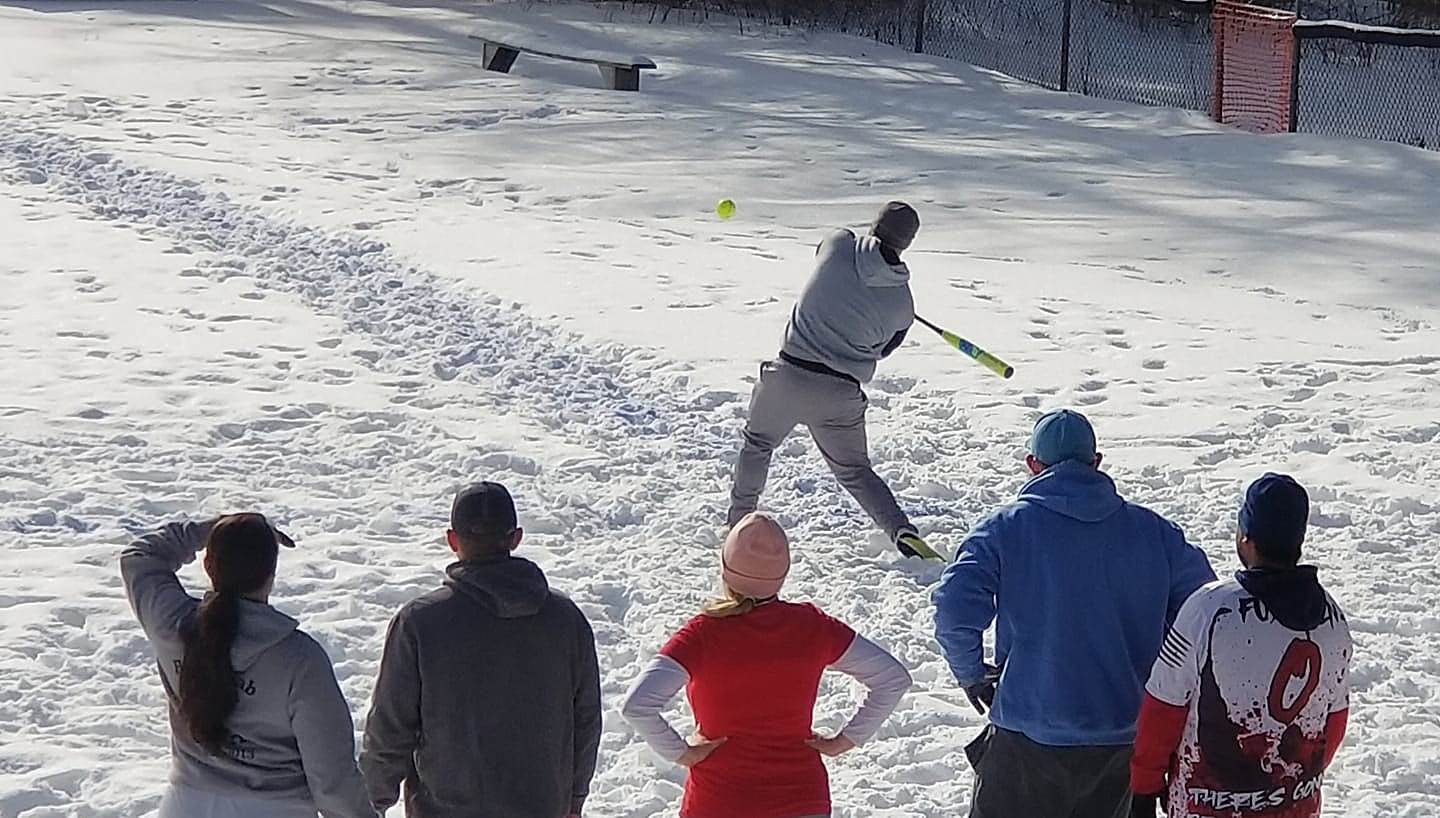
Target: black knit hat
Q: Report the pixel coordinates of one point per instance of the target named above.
(896, 225)
(1274, 516)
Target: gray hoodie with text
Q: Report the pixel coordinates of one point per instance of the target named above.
(488, 699)
(851, 308)
(292, 738)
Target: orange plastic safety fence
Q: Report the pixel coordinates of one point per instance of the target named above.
(1254, 66)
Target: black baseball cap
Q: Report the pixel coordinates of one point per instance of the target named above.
(483, 509)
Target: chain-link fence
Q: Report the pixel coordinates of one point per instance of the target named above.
(1376, 84)
(1352, 80)
(892, 22)
(1156, 52)
(889, 21)
(1021, 38)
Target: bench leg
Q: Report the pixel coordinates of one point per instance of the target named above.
(620, 78)
(498, 58)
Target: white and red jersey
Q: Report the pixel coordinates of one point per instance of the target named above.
(1243, 713)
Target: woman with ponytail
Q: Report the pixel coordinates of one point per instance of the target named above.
(751, 664)
(259, 728)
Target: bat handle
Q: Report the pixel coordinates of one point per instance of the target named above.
(930, 325)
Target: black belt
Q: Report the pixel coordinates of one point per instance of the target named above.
(817, 368)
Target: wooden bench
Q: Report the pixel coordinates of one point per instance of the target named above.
(618, 75)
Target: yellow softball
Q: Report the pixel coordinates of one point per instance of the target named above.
(725, 209)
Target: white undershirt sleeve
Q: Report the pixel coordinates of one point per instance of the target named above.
(648, 696)
(887, 679)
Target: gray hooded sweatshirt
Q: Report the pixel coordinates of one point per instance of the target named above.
(488, 700)
(851, 308)
(291, 734)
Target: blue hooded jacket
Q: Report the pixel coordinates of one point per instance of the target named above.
(1081, 585)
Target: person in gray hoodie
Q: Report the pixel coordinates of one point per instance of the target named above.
(855, 309)
(488, 700)
(258, 725)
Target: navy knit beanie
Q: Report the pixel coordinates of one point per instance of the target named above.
(1274, 516)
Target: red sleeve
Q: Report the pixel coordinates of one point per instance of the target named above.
(1156, 738)
(1335, 733)
(686, 646)
(834, 637)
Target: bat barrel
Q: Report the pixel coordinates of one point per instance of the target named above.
(982, 357)
(989, 361)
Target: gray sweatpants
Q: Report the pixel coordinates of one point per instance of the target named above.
(1018, 777)
(833, 409)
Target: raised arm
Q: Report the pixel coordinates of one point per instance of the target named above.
(148, 568)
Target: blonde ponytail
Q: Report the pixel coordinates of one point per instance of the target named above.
(730, 603)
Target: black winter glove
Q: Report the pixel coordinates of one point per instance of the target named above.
(982, 693)
(1144, 806)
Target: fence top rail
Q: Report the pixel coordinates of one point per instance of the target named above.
(1192, 5)
(1356, 32)
(1236, 8)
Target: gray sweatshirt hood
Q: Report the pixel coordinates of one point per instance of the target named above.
(261, 628)
(872, 267)
(508, 587)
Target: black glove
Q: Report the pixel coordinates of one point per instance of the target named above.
(982, 693)
(1144, 806)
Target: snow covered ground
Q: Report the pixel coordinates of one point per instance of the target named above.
(304, 256)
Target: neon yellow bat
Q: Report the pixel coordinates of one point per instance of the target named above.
(984, 358)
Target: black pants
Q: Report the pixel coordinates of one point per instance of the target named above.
(1017, 778)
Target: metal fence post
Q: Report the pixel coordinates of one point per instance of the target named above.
(1295, 72)
(1217, 38)
(1065, 46)
(920, 12)
(1295, 82)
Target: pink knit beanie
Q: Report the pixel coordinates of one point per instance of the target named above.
(755, 557)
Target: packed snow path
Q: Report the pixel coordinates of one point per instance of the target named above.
(220, 293)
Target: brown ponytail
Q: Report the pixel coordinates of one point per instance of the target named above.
(240, 556)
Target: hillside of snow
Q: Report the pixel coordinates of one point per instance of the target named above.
(306, 257)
